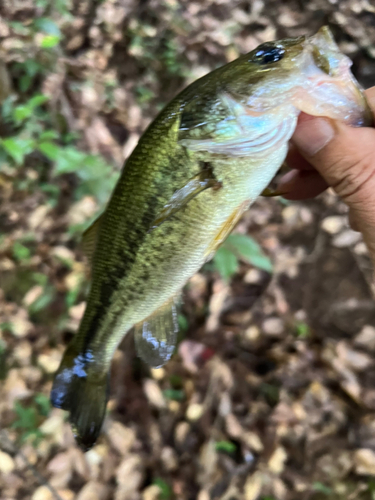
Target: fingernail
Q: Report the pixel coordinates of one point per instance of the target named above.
(312, 135)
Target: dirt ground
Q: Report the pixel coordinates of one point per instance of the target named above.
(271, 392)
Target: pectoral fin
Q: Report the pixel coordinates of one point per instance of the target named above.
(155, 337)
(90, 237)
(180, 198)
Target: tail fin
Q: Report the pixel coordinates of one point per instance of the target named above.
(83, 391)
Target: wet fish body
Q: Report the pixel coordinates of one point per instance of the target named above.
(196, 169)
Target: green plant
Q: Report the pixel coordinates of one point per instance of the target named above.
(371, 488)
(51, 32)
(225, 447)
(171, 57)
(31, 122)
(143, 94)
(3, 358)
(271, 392)
(153, 52)
(174, 394)
(43, 301)
(29, 418)
(165, 490)
(33, 128)
(43, 404)
(239, 247)
(41, 41)
(176, 381)
(183, 322)
(20, 252)
(60, 6)
(142, 41)
(302, 330)
(321, 488)
(226, 262)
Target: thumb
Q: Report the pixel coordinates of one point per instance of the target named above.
(345, 158)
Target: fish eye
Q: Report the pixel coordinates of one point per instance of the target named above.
(267, 54)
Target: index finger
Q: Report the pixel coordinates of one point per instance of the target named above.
(370, 96)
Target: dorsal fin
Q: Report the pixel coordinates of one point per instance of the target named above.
(90, 237)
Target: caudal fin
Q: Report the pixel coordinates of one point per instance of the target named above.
(83, 391)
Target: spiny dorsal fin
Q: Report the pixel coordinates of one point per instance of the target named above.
(90, 237)
(155, 337)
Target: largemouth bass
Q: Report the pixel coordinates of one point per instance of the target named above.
(196, 169)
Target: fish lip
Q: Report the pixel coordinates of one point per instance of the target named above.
(312, 89)
(358, 112)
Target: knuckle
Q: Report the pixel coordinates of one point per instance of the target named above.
(355, 180)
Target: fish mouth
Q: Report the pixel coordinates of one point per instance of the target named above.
(331, 88)
(314, 77)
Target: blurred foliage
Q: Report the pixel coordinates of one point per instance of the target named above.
(322, 488)
(34, 131)
(165, 490)
(183, 323)
(271, 393)
(240, 247)
(174, 394)
(3, 367)
(28, 418)
(162, 53)
(371, 489)
(226, 447)
(302, 330)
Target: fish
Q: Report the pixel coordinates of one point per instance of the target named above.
(196, 169)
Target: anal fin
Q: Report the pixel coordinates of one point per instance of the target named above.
(155, 337)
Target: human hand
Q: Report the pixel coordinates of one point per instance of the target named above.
(327, 153)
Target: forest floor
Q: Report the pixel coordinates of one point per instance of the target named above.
(271, 392)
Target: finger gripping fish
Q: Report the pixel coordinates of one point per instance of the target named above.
(196, 169)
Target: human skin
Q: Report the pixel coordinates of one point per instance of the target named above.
(325, 153)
